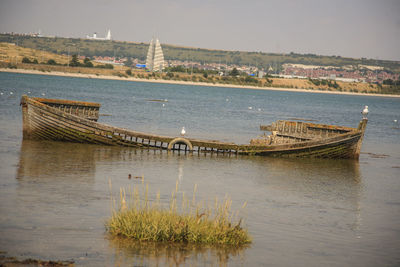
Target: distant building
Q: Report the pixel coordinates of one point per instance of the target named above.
(155, 57)
(94, 37)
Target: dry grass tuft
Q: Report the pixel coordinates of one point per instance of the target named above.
(188, 222)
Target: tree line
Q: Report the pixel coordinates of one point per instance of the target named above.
(74, 62)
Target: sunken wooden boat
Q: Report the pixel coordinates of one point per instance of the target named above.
(76, 121)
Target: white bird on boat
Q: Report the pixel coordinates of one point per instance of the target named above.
(365, 112)
(183, 131)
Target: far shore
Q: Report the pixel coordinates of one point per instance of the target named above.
(104, 77)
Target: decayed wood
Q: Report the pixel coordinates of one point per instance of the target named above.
(88, 110)
(76, 121)
(295, 131)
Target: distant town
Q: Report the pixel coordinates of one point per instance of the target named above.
(348, 73)
(368, 74)
(364, 73)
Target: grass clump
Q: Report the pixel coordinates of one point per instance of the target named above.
(189, 223)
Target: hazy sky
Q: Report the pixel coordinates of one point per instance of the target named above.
(352, 28)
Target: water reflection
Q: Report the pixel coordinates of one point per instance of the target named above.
(131, 252)
(48, 159)
(60, 160)
(180, 170)
(314, 192)
(310, 176)
(63, 190)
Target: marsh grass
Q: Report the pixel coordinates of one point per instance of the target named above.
(184, 220)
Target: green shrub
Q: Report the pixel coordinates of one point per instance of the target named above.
(11, 66)
(26, 60)
(51, 62)
(106, 66)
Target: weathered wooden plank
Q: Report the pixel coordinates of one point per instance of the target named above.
(66, 102)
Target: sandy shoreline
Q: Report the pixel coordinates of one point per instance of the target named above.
(93, 76)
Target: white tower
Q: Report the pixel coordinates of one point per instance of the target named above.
(108, 36)
(150, 56)
(155, 56)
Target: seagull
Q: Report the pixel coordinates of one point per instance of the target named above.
(250, 108)
(183, 131)
(163, 105)
(11, 93)
(365, 112)
(395, 121)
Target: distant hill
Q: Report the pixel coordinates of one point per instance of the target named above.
(121, 49)
(15, 58)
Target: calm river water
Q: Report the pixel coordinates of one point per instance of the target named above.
(55, 197)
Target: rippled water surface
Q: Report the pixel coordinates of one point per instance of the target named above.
(55, 197)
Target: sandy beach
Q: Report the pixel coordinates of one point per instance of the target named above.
(93, 76)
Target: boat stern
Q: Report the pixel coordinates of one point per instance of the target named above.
(26, 124)
(361, 128)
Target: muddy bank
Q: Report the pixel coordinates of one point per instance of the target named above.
(13, 261)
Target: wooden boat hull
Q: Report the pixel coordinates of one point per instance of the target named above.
(75, 121)
(335, 148)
